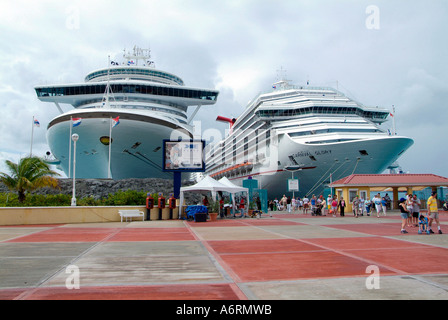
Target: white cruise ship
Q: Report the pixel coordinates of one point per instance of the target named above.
(131, 104)
(314, 134)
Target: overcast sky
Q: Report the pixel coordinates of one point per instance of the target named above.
(380, 53)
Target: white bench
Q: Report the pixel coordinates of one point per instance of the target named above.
(131, 214)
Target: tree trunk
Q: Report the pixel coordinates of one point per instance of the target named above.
(21, 196)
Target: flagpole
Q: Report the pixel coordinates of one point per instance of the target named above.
(393, 119)
(110, 145)
(32, 137)
(70, 148)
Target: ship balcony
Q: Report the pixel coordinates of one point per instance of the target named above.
(234, 170)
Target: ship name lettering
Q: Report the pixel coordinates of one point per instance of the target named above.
(322, 152)
(302, 154)
(308, 154)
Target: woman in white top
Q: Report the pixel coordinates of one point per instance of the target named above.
(416, 207)
(410, 208)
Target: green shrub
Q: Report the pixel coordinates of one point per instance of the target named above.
(120, 198)
(89, 202)
(126, 198)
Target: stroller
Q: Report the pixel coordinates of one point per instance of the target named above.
(423, 225)
(317, 211)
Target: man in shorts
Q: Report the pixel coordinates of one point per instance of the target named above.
(433, 212)
(416, 212)
(377, 202)
(306, 204)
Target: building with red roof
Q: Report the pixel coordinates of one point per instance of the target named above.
(363, 184)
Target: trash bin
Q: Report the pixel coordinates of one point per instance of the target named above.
(200, 217)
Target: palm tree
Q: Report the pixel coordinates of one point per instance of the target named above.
(29, 174)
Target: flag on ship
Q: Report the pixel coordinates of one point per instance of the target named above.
(36, 123)
(76, 121)
(115, 122)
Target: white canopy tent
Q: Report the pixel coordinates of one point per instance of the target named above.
(228, 183)
(213, 186)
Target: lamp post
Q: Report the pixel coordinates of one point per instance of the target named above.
(75, 137)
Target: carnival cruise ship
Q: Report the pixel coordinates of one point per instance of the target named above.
(313, 134)
(122, 114)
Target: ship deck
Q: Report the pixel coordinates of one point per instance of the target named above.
(289, 256)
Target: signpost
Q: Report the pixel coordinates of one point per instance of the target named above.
(293, 185)
(183, 156)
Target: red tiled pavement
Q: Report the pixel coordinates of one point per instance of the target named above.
(431, 260)
(367, 243)
(158, 292)
(380, 229)
(261, 246)
(297, 265)
(67, 235)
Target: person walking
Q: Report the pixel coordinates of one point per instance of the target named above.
(306, 204)
(313, 205)
(404, 214)
(368, 206)
(416, 214)
(242, 207)
(271, 205)
(283, 203)
(342, 206)
(377, 203)
(334, 206)
(324, 207)
(383, 205)
(355, 205)
(433, 212)
(288, 204)
(410, 208)
(362, 206)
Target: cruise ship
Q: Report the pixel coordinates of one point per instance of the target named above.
(121, 113)
(313, 134)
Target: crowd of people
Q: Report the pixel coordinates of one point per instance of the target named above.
(412, 217)
(313, 205)
(409, 208)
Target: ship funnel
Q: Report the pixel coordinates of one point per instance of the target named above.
(224, 119)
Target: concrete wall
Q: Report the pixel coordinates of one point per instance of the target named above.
(61, 215)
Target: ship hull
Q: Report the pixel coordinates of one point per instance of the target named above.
(318, 162)
(136, 148)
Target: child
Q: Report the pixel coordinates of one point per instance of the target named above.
(423, 225)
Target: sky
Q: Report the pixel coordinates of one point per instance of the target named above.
(380, 53)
